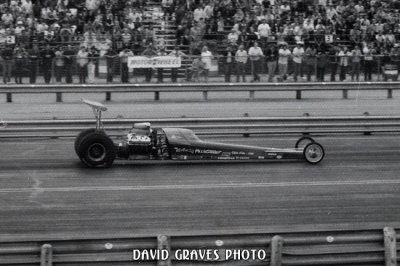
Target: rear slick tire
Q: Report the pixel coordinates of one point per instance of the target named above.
(314, 153)
(97, 150)
(81, 135)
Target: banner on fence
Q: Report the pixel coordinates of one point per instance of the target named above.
(154, 62)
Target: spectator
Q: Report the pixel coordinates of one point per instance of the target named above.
(33, 56)
(272, 55)
(241, 60)
(149, 52)
(233, 38)
(298, 53)
(355, 63)
(395, 56)
(82, 59)
(20, 56)
(344, 55)
(283, 61)
(149, 34)
(197, 68)
(368, 62)
(92, 66)
(8, 56)
(228, 60)
(333, 62)
(47, 56)
(110, 56)
(69, 56)
(160, 71)
(174, 71)
(59, 64)
(255, 55)
(206, 58)
(310, 60)
(124, 55)
(168, 8)
(264, 30)
(209, 10)
(198, 13)
(126, 37)
(322, 61)
(7, 18)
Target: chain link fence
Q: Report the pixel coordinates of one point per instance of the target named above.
(321, 68)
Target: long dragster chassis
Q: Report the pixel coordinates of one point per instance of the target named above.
(96, 149)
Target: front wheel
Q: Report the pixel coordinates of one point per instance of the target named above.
(97, 150)
(303, 142)
(314, 153)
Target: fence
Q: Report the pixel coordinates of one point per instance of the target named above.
(103, 70)
(357, 247)
(212, 126)
(204, 89)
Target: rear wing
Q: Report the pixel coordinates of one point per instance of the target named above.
(97, 109)
(95, 105)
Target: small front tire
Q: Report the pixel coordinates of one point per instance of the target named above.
(314, 153)
(303, 142)
(97, 150)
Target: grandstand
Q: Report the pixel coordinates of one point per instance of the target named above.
(327, 25)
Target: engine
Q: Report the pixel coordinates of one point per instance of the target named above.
(139, 141)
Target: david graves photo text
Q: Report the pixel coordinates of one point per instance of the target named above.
(199, 254)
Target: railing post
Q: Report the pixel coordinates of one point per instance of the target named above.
(298, 94)
(390, 93)
(59, 97)
(156, 96)
(276, 251)
(306, 128)
(9, 97)
(205, 95)
(164, 243)
(246, 134)
(345, 94)
(251, 95)
(379, 69)
(46, 255)
(108, 96)
(366, 133)
(390, 246)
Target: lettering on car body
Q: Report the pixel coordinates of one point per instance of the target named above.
(184, 150)
(200, 151)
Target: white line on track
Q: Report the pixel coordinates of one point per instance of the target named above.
(200, 186)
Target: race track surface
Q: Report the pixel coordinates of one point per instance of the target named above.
(46, 193)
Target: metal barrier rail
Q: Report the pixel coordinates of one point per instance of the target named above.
(212, 126)
(157, 89)
(360, 247)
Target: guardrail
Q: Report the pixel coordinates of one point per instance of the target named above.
(246, 126)
(361, 247)
(157, 89)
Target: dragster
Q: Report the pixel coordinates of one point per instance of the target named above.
(144, 142)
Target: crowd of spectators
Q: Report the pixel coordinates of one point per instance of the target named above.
(310, 36)
(319, 22)
(65, 31)
(298, 37)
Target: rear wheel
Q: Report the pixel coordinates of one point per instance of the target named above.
(314, 153)
(83, 134)
(303, 141)
(96, 149)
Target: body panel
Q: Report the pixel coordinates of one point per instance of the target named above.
(185, 145)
